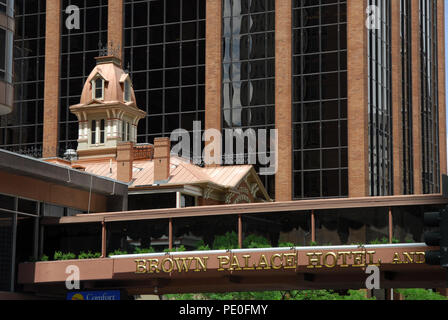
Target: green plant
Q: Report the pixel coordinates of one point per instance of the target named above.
(255, 241)
(139, 250)
(89, 255)
(384, 240)
(313, 244)
(275, 295)
(178, 249)
(117, 252)
(59, 255)
(286, 245)
(201, 246)
(409, 240)
(44, 258)
(420, 294)
(357, 295)
(227, 241)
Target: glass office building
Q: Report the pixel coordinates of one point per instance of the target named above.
(365, 135)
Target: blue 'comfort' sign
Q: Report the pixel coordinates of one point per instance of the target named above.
(94, 295)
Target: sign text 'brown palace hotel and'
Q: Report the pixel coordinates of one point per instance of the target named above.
(91, 92)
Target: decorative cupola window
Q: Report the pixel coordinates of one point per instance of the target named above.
(127, 90)
(97, 131)
(107, 113)
(98, 88)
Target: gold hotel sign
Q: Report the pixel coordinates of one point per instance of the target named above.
(274, 261)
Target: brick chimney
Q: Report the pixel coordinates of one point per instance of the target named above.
(125, 157)
(162, 150)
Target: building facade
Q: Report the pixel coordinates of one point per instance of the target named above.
(6, 55)
(355, 88)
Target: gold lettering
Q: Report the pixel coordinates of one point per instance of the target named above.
(359, 258)
(141, 266)
(153, 265)
(290, 260)
(335, 259)
(263, 263)
(344, 255)
(246, 262)
(171, 263)
(235, 265)
(422, 257)
(396, 259)
(371, 262)
(222, 263)
(183, 265)
(408, 258)
(276, 256)
(202, 263)
(314, 262)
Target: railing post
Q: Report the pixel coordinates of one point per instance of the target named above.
(103, 239)
(240, 232)
(313, 227)
(170, 234)
(391, 227)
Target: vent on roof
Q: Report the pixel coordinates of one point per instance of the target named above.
(70, 155)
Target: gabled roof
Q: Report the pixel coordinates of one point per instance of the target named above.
(182, 172)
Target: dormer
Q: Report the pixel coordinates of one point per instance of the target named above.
(98, 84)
(127, 88)
(108, 112)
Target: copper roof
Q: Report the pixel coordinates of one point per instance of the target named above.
(181, 172)
(114, 75)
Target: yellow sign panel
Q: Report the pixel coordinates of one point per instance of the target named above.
(273, 261)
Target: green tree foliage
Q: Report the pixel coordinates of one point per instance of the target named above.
(255, 241)
(420, 294)
(227, 241)
(201, 246)
(275, 295)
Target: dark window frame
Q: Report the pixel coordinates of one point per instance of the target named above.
(248, 73)
(165, 53)
(380, 104)
(316, 110)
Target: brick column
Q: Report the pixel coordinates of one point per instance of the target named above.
(358, 135)
(442, 87)
(396, 99)
(416, 95)
(213, 53)
(52, 72)
(115, 24)
(283, 98)
(213, 66)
